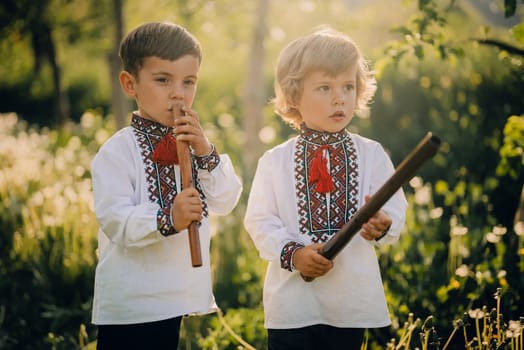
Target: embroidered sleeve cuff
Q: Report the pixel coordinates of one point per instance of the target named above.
(209, 161)
(164, 222)
(287, 254)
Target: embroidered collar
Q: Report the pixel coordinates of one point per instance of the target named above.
(149, 127)
(322, 137)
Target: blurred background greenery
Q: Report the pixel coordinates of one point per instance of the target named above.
(455, 68)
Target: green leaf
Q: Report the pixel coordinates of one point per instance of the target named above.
(419, 51)
(518, 32)
(401, 30)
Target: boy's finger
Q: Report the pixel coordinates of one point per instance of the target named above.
(319, 259)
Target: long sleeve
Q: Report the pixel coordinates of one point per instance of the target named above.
(263, 219)
(119, 188)
(125, 219)
(221, 186)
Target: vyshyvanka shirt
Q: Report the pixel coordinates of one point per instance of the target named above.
(286, 211)
(144, 272)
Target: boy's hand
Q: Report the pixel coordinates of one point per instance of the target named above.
(310, 263)
(376, 225)
(188, 128)
(186, 208)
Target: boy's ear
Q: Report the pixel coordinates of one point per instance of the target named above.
(127, 82)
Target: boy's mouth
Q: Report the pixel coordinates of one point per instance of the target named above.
(338, 114)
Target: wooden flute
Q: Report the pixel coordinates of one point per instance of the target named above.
(425, 150)
(186, 177)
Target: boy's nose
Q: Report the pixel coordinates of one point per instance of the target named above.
(339, 96)
(176, 93)
(338, 99)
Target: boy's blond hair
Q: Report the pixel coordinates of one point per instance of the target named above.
(325, 50)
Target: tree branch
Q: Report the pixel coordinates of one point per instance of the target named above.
(501, 45)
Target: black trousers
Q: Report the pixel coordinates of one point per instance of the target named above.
(317, 337)
(152, 335)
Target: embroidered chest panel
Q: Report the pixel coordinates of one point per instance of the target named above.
(320, 215)
(161, 179)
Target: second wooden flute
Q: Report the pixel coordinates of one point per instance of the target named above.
(425, 150)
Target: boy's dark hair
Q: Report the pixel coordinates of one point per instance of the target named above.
(165, 40)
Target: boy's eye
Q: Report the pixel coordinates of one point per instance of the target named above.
(350, 87)
(324, 88)
(162, 80)
(189, 82)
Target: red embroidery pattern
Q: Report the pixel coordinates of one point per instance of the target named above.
(161, 178)
(320, 215)
(286, 255)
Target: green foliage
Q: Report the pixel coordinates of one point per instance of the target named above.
(512, 150)
(238, 329)
(458, 246)
(458, 229)
(480, 328)
(48, 231)
(237, 269)
(422, 33)
(518, 32)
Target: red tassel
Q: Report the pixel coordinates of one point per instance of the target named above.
(165, 151)
(319, 172)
